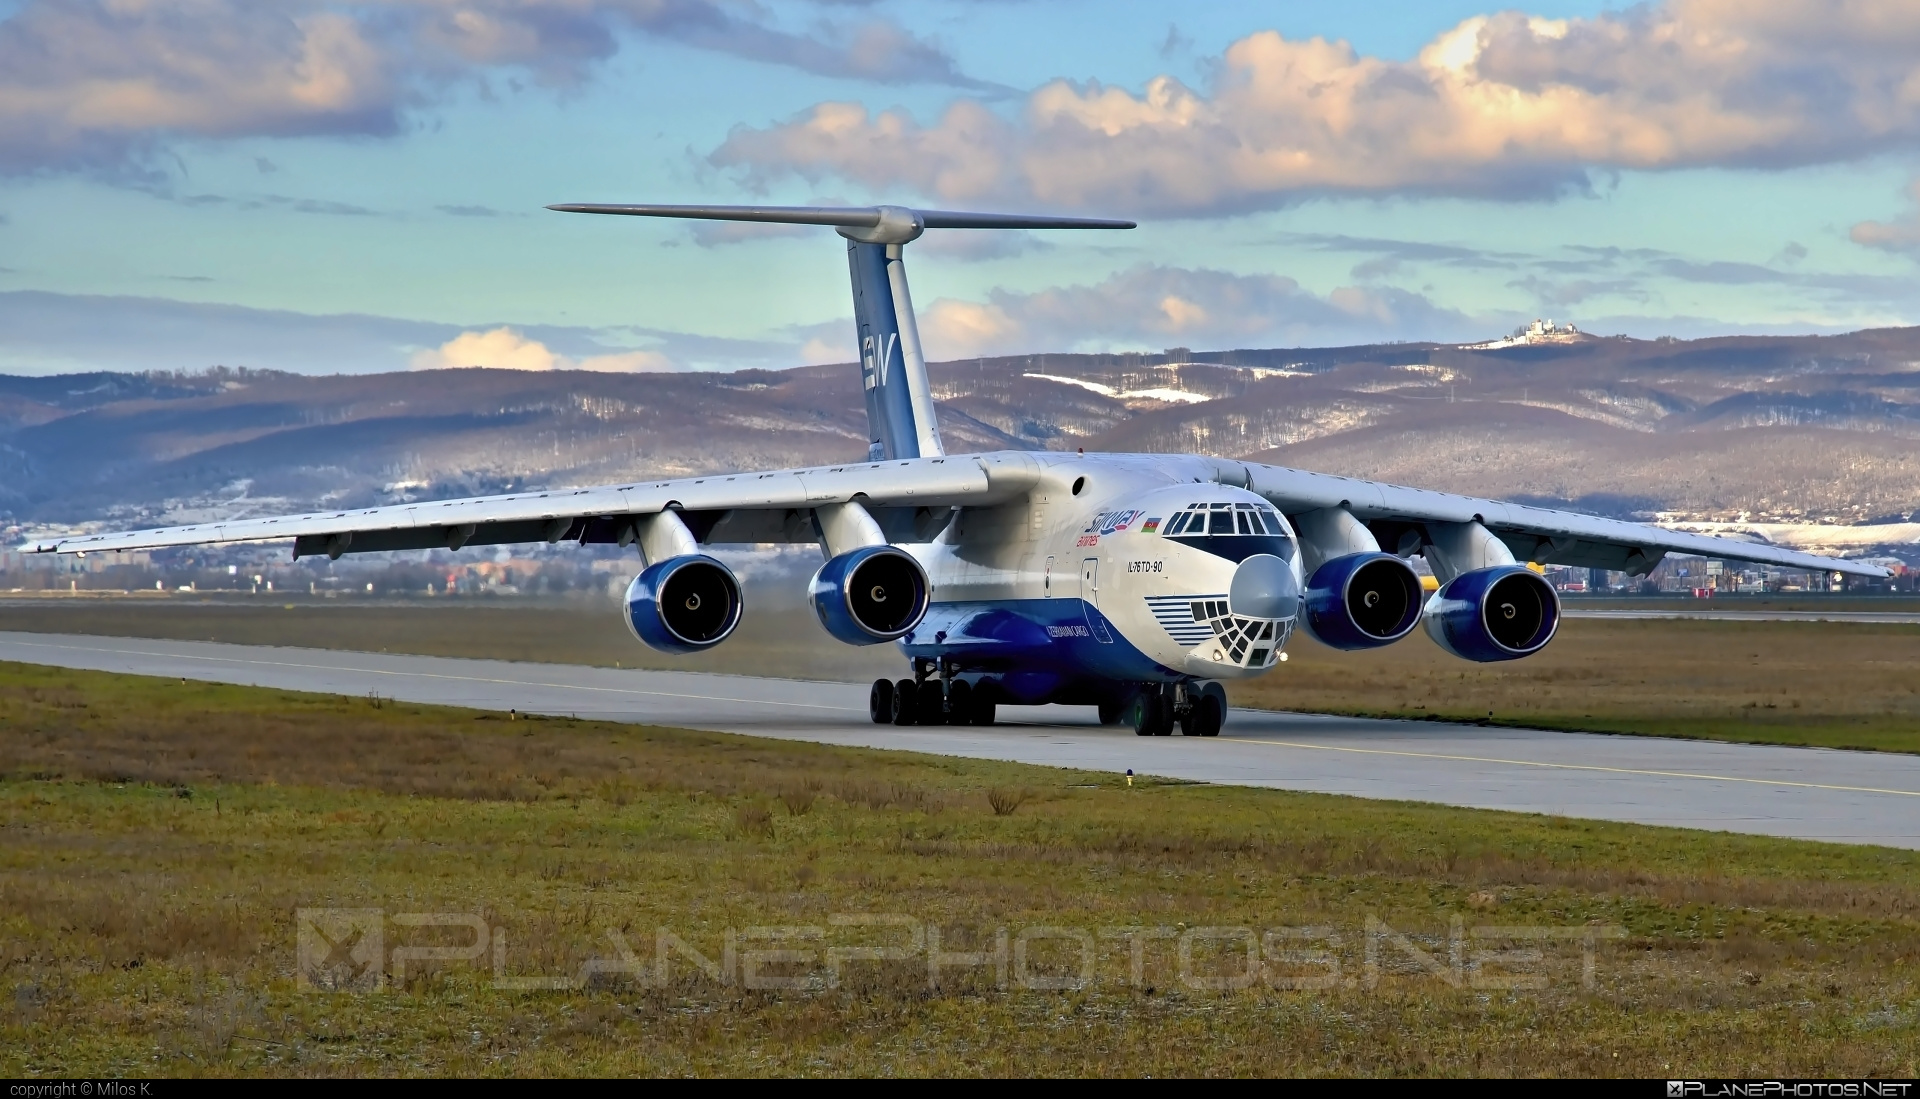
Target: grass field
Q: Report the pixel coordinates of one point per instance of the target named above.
(1833, 684)
(160, 838)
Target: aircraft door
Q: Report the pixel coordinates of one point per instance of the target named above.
(1090, 597)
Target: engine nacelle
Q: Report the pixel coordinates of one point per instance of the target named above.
(1500, 613)
(684, 604)
(1362, 601)
(869, 595)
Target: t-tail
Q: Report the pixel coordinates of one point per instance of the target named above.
(893, 371)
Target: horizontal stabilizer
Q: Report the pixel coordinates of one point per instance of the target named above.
(849, 217)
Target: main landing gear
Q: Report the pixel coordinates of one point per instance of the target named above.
(1155, 708)
(929, 702)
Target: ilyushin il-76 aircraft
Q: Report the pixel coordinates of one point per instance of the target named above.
(1132, 582)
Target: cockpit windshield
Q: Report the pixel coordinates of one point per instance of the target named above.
(1233, 531)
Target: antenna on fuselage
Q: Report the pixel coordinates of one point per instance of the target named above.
(893, 371)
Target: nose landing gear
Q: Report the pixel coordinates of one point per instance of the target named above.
(1198, 708)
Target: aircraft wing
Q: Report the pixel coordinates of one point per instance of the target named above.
(911, 500)
(1398, 515)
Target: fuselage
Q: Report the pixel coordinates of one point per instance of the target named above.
(1112, 569)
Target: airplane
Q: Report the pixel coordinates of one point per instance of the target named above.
(1137, 583)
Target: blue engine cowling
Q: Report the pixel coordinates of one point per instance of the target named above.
(684, 604)
(869, 595)
(1362, 601)
(1499, 613)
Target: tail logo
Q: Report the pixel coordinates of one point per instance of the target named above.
(876, 371)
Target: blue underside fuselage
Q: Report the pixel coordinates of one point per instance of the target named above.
(1035, 650)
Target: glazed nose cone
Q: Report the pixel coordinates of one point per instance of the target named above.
(1264, 587)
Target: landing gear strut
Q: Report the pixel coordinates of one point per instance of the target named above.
(1198, 708)
(1206, 711)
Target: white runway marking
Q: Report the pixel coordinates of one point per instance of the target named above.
(1809, 793)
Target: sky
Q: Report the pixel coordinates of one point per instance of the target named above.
(357, 187)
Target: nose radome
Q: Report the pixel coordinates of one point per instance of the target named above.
(1264, 587)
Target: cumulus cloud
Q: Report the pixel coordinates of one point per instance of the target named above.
(1502, 105)
(1154, 306)
(87, 82)
(505, 348)
(1899, 235)
(101, 84)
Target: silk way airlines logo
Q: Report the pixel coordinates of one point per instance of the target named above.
(1108, 522)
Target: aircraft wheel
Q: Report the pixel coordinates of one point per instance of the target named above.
(903, 700)
(1152, 716)
(880, 702)
(983, 711)
(960, 703)
(1218, 694)
(931, 703)
(1111, 713)
(1204, 718)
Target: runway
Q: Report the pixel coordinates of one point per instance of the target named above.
(1883, 618)
(1807, 793)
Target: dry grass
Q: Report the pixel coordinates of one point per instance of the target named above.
(1832, 684)
(158, 837)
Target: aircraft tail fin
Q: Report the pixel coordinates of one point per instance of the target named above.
(893, 371)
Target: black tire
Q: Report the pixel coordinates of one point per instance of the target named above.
(960, 703)
(983, 711)
(1152, 715)
(904, 711)
(1112, 713)
(931, 702)
(1218, 694)
(1205, 716)
(880, 702)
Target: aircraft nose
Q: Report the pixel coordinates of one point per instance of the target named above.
(1264, 587)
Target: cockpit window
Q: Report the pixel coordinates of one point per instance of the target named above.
(1233, 531)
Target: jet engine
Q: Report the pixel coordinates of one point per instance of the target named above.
(1362, 601)
(1500, 613)
(869, 595)
(684, 604)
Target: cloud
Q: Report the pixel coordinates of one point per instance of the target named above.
(975, 246)
(719, 234)
(469, 211)
(504, 348)
(1554, 293)
(93, 84)
(325, 207)
(1154, 306)
(1500, 106)
(103, 85)
(1900, 235)
(47, 333)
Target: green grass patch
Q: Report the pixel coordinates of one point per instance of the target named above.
(160, 838)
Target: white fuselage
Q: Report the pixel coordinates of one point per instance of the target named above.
(1088, 555)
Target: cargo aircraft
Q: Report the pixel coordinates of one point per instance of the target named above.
(1131, 582)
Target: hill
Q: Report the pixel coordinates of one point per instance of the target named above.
(1785, 427)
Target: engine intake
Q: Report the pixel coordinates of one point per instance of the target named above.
(1499, 613)
(683, 604)
(1363, 601)
(869, 595)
